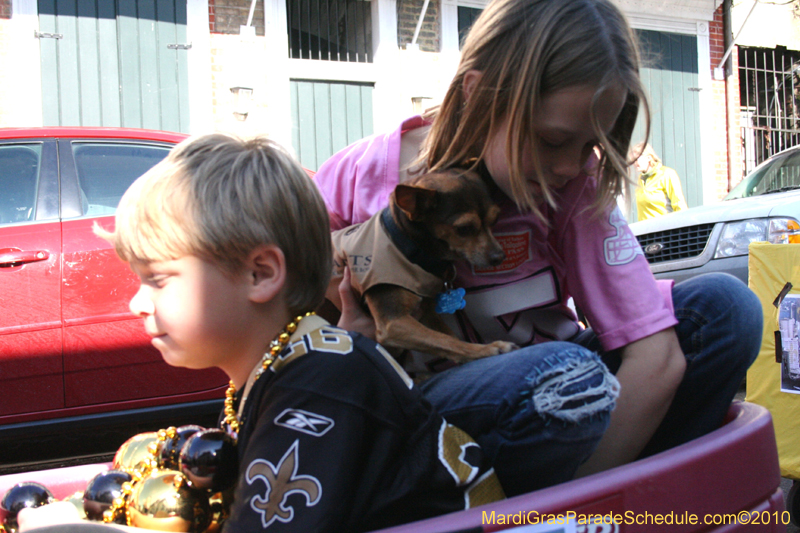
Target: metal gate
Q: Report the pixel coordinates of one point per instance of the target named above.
(769, 92)
(119, 63)
(670, 75)
(330, 30)
(327, 116)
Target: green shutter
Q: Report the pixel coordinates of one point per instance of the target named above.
(670, 75)
(327, 116)
(113, 64)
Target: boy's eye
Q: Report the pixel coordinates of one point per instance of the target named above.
(156, 280)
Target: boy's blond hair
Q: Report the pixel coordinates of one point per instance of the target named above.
(218, 197)
(526, 49)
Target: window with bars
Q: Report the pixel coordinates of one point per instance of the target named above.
(769, 87)
(466, 18)
(330, 30)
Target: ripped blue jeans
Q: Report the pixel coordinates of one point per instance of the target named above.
(540, 411)
(537, 412)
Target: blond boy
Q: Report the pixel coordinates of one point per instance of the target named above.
(231, 243)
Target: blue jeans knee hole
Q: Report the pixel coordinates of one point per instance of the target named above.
(576, 390)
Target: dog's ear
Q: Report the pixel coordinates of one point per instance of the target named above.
(414, 201)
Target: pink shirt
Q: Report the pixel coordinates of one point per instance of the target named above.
(595, 259)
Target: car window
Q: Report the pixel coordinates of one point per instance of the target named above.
(779, 173)
(19, 181)
(106, 170)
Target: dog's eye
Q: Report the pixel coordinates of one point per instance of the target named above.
(466, 230)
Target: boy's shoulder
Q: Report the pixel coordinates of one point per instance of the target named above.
(346, 349)
(344, 366)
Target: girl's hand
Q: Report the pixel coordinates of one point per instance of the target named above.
(353, 316)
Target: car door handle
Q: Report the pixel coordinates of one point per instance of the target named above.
(15, 257)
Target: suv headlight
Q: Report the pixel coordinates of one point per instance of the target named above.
(737, 236)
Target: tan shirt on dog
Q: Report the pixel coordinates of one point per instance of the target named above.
(374, 259)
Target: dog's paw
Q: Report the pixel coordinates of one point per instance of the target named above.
(503, 347)
(494, 348)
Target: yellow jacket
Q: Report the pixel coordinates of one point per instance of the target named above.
(659, 193)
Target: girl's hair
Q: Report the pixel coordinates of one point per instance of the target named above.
(644, 148)
(525, 49)
(219, 197)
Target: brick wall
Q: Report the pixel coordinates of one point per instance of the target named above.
(408, 12)
(211, 15)
(722, 107)
(5, 9)
(225, 16)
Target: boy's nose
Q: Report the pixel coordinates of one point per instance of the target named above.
(140, 305)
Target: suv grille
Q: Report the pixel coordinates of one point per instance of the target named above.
(678, 243)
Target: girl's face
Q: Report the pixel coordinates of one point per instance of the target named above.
(564, 137)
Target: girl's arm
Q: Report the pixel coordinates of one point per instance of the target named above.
(651, 370)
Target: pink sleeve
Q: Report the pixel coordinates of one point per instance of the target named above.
(357, 181)
(608, 275)
(665, 287)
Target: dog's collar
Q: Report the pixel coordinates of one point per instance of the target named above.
(410, 249)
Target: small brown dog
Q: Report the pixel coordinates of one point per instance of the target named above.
(401, 261)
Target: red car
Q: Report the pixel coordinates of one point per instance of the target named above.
(71, 354)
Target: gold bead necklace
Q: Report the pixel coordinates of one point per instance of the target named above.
(119, 506)
(275, 348)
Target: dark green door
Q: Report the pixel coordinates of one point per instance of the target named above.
(670, 75)
(327, 116)
(114, 63)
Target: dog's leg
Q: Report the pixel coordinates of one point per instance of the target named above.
(409, 334)
(396, 327)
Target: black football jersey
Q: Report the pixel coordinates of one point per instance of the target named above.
(336, 437)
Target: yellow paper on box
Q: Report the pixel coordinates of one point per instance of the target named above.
(771, 266)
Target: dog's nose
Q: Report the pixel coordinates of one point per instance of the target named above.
(496, 257)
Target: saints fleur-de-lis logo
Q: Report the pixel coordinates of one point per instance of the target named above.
(281, 481)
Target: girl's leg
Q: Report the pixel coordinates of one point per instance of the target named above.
(720, 329)
(538, 412)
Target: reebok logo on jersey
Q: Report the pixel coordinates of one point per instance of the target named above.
(304, 422)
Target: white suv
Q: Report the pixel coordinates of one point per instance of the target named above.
(765, 206)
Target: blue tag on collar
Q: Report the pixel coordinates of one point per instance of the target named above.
(450, 301)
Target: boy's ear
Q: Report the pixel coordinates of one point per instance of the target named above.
(414, 201)
(266, 268)
(471, 79)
